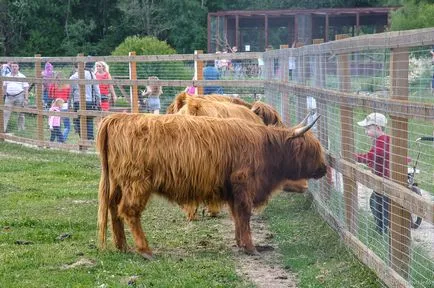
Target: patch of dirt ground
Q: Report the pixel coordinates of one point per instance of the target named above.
(263, 270)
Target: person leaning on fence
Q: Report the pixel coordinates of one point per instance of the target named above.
(107, 91)
(5, 69)
(63, 91)
(150, 100)
(236, 64)
(210, 72)
(48, 76)
(16, 94)
(93, 99)
(55, 120)
(377, 159)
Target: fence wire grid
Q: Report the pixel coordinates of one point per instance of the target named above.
(343, 81)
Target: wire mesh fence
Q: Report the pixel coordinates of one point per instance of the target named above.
(382, 206)
(388, 225)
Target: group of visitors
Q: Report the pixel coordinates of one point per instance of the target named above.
(60, 97)
(227, 66)
(214, 70)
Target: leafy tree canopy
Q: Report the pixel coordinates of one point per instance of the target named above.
(413, 15)
(143, 46)
(69, 27)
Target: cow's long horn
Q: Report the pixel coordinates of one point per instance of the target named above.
(304, 121)
(300, 131)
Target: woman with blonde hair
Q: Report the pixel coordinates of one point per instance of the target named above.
(107, 90)
(150, 101)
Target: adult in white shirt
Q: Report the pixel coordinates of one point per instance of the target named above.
(17, 94)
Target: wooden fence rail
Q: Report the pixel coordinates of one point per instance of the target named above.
(280, 91)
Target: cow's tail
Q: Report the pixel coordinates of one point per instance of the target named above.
(104, 184)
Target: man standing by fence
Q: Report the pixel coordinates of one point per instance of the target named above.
(17, 94)
(93, 99)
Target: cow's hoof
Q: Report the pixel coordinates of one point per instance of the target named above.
(264, 248)
(251, 252)
(147, 256)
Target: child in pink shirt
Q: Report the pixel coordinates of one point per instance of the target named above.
(54, 121)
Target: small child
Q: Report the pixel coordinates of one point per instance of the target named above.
(151, 98)
(378, 160)
(54, 121)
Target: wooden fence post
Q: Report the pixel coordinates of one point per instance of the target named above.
(400, 233)
(319, 82)
(300, 78)
(198, 71)
(134, 96)
(82, 106)
(347, 139)
(284, 77)
(39, 102)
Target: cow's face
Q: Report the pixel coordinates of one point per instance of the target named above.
(306, 157)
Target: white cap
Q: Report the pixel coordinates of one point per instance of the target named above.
(374, 119)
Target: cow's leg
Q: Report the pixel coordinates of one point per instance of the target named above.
(191, 210)
(134, 199)
(242, 210)
(243, 236)
(214, 209)
(118, 230)
(236, 223)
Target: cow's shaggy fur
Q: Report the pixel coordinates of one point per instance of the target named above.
(267, 113)
(206, 106)
(195, 160)
(182, 97)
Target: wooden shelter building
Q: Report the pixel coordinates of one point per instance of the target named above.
(257, 30)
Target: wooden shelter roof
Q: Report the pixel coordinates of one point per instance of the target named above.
(320, 11)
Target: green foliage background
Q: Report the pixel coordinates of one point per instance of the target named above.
(65, 28)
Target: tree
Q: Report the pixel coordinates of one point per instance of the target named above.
(145, 17)
(413, 15)
(189, 26)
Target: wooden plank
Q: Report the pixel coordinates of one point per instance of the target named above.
(146, 82)
(374, 262)
(134, 96)
(387, 40)
(138, 58)
(400, 194)
(38, 100)
(300, 78)
(284, 77)
(400, 232)
(198, 72)
(362, 252)
(82, 104)
(347, 140)
(394, 107)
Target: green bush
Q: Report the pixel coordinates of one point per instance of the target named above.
(143, 46)
(164, 70)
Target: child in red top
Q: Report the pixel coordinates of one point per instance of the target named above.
(62, 91)
(378, 160)
(106, 90)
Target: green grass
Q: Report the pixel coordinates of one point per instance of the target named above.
(311, 248)
(46, 193)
